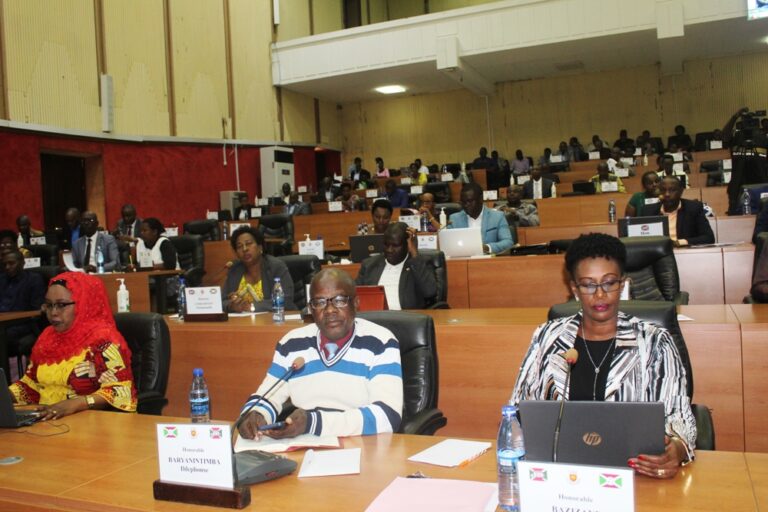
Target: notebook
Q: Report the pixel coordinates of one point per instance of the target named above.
(363, 246)
(460, 242)
(10, 417)
(597, 433)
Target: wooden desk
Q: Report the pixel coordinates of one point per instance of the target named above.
(138, 286)
(480, 351)
(757, 464)
(108, 461)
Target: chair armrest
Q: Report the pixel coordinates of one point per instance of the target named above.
(705, 428)
(681, 298)
(425, 423)
(151, 402)
(440, 305)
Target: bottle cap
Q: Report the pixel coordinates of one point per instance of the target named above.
(197, 372)
(508, 409)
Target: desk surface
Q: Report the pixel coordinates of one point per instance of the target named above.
(108, 461)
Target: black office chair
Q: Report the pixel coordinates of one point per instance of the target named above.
(440, 190)
(48, 253)
(418, 357)
(302, 269)
(208, 229)
(277, 226)
(760, 243)
(47, 272)
(701, 139)
(189, 250)
(437, 259)
(150, 343)
(652, 267)
(450, 208)
(664, 314)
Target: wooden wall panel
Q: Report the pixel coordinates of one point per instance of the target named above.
(378, 11)
(294, 19)
(199, 67)
(136, 58)
(255, 102)
(328, 15)
(330, 124)
(52, 76)
(298, 117)
(404, 8)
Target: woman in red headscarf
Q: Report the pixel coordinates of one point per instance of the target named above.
(81, 361)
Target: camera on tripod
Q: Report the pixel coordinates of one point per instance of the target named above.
(748, 133)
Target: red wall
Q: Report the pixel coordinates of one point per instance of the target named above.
(173, 182)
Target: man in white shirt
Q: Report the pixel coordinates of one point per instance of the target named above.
(538, 187)
(408, 278)
(92, 241)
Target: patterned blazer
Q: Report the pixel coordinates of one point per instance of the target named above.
(645, 367)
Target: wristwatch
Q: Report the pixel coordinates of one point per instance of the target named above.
(90, 401)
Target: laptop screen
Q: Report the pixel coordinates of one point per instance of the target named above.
(655, 225)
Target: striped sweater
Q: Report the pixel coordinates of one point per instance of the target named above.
(645, 367)
(358, 391)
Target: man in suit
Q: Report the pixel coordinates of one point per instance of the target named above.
(295, 206)
(128, 226)
(494, 228)
(243, 212)
(360, 176)
(408, 279)
(91, 241)
(538, 187)
(71, 231)
(26, 230)
(688, 225)
(397, 197)
(326, 192)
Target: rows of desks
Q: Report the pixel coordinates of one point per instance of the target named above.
(107, 462)
(480, 351)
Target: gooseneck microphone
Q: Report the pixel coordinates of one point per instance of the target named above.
(571, 356)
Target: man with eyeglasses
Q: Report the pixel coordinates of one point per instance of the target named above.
(85, 250)
(351, 379)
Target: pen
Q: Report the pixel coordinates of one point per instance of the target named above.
(272, 426)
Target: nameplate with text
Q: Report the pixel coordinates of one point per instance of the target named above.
(203, 300)
(490, 195)
(715, 144)
(174, 231)
(638, 151)
(427, 242)
(628, 161)
(727, 163)
(302, 189)
(237, 225)
(621, 172)
(37, 240)
(255, 213)
(195, 454)
(413, 221)
(405, 181)
(446, 177)
(311, 248)
(334, 206)
(31, 262)
(548, 487)
(594, 155)
(522, 179)
(263, 201)
(417, 189)
(212, 215)
(609, 186)
(371, 193)
(556, 159)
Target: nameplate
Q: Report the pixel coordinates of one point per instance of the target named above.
(678, 157)
(255, 213)
(263, 201)
(621, 172)
(237, 225)
(337, 177)
(715, 144)
(302, 189)
(311, 248)
(371, 193)
(413, 221)
(334, 206)
(145, 258)
(37, 240)
(547, 487)
(628, 160)
(594, 155)
(678, 168)
(203, 300)
(727, 163)
(638, 151)
(195, 454)
(522, 179)
(652, 200)
(555, 159)
(490, 195)
(417, 189)
(646, 229)
(426, 242)
(31, 262)
(726, 177)
(609, 186)
(405, 181)
(446, 177)
(174, 231)
(211, 215)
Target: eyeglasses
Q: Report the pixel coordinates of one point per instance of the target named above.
(49, 307)
(607, 287)
(339, 301)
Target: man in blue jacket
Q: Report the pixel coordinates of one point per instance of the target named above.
(493, 225)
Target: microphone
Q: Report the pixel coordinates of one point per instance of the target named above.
(571, 356)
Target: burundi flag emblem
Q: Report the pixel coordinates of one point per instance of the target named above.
(610, 481)
(537, 474)
(215, 433)
(170, 432)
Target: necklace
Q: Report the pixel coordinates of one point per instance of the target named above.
(597, 367)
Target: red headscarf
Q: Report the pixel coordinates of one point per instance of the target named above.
(93, 322)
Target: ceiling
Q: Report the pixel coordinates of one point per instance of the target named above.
(632, 49)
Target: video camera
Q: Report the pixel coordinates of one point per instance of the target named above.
(748, 132)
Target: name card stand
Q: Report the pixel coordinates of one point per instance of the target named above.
(239, 497)
(204, 304)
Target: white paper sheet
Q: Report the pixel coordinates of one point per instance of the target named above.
(330, 463)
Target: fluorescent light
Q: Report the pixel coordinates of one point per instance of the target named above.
(390, 89)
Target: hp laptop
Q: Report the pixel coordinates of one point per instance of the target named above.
(460, 242)
(597, 433)
(655, 225)
(10, 417)
(362, 246)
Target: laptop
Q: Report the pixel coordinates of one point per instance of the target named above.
(654, 225)
(363, 246)
(596, 433)
(460, 242)
(585, 187)
(10, 417)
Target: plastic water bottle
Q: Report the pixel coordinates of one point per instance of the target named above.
(611, 211)
(199, 400)
(225, 230)
(746, 203)
(443, 219)
(510, 449)
(278, 302)
(424, 221)
(99, 260)
(181, 302)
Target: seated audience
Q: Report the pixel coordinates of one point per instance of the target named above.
(128, 225)
(360, 176)
(576, 150)
(326, 192)
(624, 143)
(562, 152)
(545, 158)
(243, 211)
(500, 162)
(638, 361)
(296, 206)
(349, 201)
(408, 279)
(381, 171)
(493, 225)
(649, 196)
(26, 230)
(351, 382)
(523, 214)
(688, 224)
(91, 241)
(80, 361)
(667, 168)
(605, 181)
(680, 139)
(427, 205)
(20, 290)
(381, 215)
(597, 144)
(483, 162)
(520, 165)
(71, 232)
(538, 187)
(251, 278)
(154, 248)
(9, 242)
(286, 189)
(421, 174)
(396, 196)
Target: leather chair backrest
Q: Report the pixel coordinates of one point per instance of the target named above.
(47, 272)
(48, 253)
(652, 267)
(189, 250)
(418, 356)
(450, 208)
(148, 338)
(278, 225)
(302, 269)
(437, 259)
(441, 191)
(661, 313)
(208, 229)
(759, 246)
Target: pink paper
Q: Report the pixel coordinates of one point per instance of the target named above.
(434, 494)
